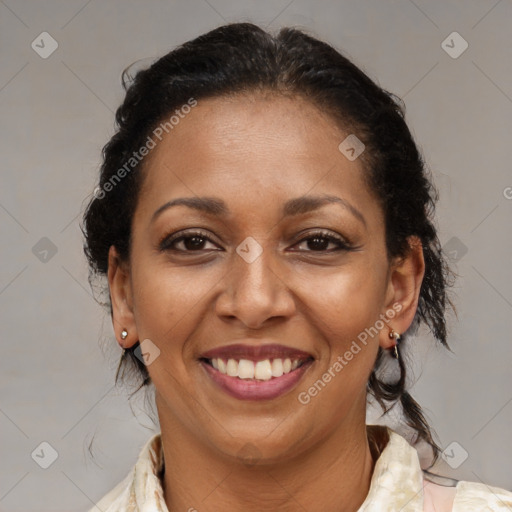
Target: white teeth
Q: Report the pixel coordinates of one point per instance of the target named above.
(232, 368)
(277, 368)
(261, 370)
(246, 369)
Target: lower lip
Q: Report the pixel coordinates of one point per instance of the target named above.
(252, 389)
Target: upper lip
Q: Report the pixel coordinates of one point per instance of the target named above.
(256, 352)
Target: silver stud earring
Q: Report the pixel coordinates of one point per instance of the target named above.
(124, 334)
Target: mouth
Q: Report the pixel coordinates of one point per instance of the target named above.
(263, 372)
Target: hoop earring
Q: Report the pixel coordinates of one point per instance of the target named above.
(398, 338)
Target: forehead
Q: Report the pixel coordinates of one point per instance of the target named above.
(252, 149)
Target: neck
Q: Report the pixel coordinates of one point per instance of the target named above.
(333, 475)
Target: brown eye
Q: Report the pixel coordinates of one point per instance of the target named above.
(191, 242)
(318, 242)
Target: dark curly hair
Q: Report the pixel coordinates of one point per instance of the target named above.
(241, 57)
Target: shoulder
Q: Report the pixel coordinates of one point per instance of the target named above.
(476, 497)
(438, 498)
(117, 498)
(465, 497)
(141, 488)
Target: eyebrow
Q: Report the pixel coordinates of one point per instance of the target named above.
(292, 207)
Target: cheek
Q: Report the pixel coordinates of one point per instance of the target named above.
(344, 302)
(342, 313)
(167, 300)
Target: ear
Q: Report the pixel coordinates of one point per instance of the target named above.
(403, 291)
(121, 298)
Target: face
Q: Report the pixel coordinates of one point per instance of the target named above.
(266, 269)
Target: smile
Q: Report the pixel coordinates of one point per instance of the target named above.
(258, 370)
(262, 372)
(260, 380)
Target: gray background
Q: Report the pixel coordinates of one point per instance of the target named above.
(56, 379)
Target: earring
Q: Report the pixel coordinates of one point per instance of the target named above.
(124, 334)
(397, 337)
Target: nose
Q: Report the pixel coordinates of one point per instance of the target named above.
(255, 292)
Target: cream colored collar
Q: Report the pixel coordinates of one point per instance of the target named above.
(397, 483)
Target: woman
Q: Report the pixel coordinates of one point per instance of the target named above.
(264, 219)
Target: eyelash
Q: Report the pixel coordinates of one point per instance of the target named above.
(166, 243)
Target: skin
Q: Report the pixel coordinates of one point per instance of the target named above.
(255, 152)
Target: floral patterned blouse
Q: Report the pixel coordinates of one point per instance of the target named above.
(398, 483)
